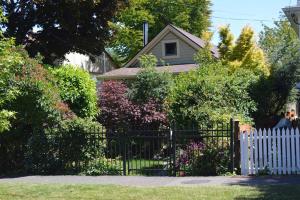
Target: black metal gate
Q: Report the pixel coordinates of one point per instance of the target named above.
(205, 150)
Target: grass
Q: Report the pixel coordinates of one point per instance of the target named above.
(65, 192)
(142, 166)
(146, 167)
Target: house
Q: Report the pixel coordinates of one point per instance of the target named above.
(95, 65)
(174, 48)
(293, 15)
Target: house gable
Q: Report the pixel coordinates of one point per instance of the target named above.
(188, 45)
(185, 54)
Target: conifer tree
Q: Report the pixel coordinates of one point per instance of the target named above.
(226, 44)
(243, 44)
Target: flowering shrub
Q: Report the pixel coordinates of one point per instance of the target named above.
(185, 156)
(199, 159)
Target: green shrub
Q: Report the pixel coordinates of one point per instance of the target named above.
(67, 148)
(77, 89)
(26, 90)
(29, 101)
(149, 83)
(103, 166)
(211, 94)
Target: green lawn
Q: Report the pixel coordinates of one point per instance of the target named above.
(42, 191)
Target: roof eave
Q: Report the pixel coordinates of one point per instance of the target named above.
(288, 11)
(118, 77)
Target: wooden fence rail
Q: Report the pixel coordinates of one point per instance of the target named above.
(269, 151)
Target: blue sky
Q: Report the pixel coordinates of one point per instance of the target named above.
(267, 10)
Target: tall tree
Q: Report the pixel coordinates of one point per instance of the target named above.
(191, 15)
(244, 52)
(281, 45)
(55, 27)
(243, 44)
(226, 42)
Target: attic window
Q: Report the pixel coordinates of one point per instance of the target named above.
(170, 48)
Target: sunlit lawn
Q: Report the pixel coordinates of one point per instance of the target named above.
(59, 191)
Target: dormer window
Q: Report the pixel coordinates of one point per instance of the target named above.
(170, 48)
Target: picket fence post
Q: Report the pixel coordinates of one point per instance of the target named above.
(297, 152)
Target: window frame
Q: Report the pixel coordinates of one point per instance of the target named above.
(164, 42)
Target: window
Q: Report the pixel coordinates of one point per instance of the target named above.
(170, 48)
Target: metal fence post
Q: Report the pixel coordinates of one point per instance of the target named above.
(231, 146)
(173, 148)
(237, 156)
(123, 142)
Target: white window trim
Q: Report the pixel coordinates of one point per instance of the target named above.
(164, 50)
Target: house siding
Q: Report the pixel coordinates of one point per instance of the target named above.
(100, 65)
(186, 52)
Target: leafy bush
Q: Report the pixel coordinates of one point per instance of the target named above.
(149, 83)
(139, 103)
(28, 102)
(117, 110)
(8, 58)
(102, 166)
(77, 89)
(115, 107)
(66, 148)
(26, 91)
(211, 94)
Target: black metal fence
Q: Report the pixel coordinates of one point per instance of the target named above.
(203, 150)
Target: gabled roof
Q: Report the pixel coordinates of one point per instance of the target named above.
(198, 41)
(190, 39)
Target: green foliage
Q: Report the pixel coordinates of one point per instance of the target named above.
(37, 103)
(244, 43)
(62, 149)
(281, 45)
(25, 91)
(2, 20)
(103, 166)
(245, 53)
(226, 44)
(149, 83)
(63, 26)
(77, 89)
(191, 15)
(8, 58)
(211, 94)
(5, 117)
(204, 55)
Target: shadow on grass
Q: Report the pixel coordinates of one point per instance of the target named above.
(270, 188)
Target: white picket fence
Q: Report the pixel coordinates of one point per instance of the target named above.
(275, 151)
